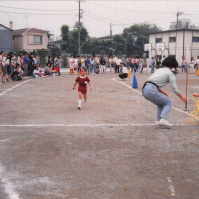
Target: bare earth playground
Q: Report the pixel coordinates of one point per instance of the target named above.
(110, 149)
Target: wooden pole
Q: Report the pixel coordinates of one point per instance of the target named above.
(186, 86)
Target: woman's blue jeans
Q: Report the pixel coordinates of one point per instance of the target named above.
(164, 104)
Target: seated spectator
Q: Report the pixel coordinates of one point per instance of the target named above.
(75, 71)
(20, 69)
(97, 69)
(37, 72)
(47, 69)
(17, 76)
(57, 70)
(124, 73)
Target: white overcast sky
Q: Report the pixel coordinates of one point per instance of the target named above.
(97, 15)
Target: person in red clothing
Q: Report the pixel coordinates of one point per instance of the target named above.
(82, 80)
(57, 70)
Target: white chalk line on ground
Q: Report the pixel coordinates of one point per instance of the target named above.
(79, 125)
(171, 187)
(14, 87)
(141, 95)
(9, 188)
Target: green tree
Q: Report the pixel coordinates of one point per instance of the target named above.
(65, 37)
(119, 44)
(134, 36)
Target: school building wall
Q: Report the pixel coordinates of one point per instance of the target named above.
(177, 48)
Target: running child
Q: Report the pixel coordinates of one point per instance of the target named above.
(82, 80)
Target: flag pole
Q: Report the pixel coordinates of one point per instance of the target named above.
(188, 58)
(186, 86)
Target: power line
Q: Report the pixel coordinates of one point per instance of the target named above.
(105, 18)
(36, 13)
(33, 9)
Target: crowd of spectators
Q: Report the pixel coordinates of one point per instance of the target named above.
(26, 66)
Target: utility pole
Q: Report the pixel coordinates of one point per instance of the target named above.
(178, 14)
(79, 31)
(111, 32)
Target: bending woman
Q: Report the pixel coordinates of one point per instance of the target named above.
(152, 92)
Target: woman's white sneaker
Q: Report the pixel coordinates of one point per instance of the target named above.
(164, 122)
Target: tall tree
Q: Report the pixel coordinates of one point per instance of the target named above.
(119, 44)
(65, 37)
(136, 34)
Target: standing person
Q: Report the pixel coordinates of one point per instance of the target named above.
(1, 72)
(141, 63)
(103, 64)
(87, 64)
(59, 61)
(83, 61)
(76, 62)
(152, 92)
(183, 64)
(21, 62)
(55, 60)
(192, 62)
(31, 66)
(79, 63)
(5, 68)
(8, 67)
(82, 80)
(158, 63)
(124, 72)
(133, 69)
(115, 63)
(118, 62)
(13, 62)
(152, 64)
(147, 64)
(50, 60)
(91, 64)
(162, 60)
(97, 60)
(136, 63)
(26, 61)
(111, 63)
(34, 62)
(71, 62)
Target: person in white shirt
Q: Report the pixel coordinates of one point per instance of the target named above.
(192, 65)
(76, 62)
(118, 62)
(147, 64)
(115, 64)
(124, 73)
(152, 92)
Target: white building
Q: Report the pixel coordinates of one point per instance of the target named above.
(175, 43)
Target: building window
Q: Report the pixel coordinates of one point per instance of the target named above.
(158, 40)
(195, 39)
(37, 39)
(172, 39)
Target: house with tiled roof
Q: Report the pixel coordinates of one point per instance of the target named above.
(29, 39)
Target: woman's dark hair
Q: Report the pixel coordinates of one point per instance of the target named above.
(170, 62)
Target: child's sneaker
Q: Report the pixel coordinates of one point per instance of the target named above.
(164, 122)
(85, 100)
(79, 107)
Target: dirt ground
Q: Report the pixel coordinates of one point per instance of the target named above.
(110, 149)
